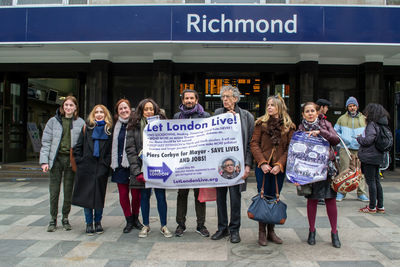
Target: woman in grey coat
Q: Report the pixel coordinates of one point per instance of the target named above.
(59, 136)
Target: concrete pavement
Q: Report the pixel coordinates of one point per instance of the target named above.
(367, 240)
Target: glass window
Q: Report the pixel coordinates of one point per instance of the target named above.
(78, 2)
(195, 1)
(5, 2)
(234, 1)
(39, 2)
(392, 2)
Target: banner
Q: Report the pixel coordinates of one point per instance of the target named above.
(193, 153)
(307, 160)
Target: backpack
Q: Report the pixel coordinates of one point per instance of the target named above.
(384, 138)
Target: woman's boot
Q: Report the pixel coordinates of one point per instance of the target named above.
(136, 223)
(311, 238)
(272, 236)
(262, 235)
(129, 224)
(335, 240)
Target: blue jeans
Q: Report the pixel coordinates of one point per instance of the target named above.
(98, 214)
(161, 205)
(269, 186)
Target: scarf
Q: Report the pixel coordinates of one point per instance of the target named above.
(114, 150)
(98, 134)
(187, 113)
(310, 126)
(274, 130)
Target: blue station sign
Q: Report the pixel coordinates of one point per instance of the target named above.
(201, 23)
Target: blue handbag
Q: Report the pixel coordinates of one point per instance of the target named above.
(266, 210)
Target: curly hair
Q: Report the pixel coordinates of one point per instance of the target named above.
(374, 112)
(138, 115)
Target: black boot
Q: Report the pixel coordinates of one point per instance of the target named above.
(136, 222)
(129, 224)
(98, 228)
(311, 238)
(89, 229)
(335, 240)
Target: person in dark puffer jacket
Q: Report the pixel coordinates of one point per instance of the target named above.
(371, 157)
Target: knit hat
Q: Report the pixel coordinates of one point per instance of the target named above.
(351, 100)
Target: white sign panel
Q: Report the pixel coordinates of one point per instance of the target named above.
(193, 153)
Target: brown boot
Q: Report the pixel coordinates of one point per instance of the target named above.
(272, 236)
(262, 235)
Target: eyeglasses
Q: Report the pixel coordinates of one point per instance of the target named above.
(226, 96)
(229, 165)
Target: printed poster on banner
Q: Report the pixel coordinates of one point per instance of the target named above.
(307, 160)
(193, 153)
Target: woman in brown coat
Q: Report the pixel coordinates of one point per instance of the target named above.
(269, 145)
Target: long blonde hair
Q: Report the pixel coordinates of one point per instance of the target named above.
(282, 112)
(107, 119)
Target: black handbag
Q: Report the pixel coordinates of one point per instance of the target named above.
(265, 210)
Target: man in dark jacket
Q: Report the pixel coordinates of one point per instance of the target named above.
(190, 109)
(230, 96)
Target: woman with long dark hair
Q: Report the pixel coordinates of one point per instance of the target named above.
(370, 157)
(134, 144)
(120, 167)
(269, 145)
(314, 125)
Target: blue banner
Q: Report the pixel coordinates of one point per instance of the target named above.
(202, 23)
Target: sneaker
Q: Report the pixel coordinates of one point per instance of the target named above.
(339, 197)
(366, 209)
(145, 231)
(180, 230)
(380, 210)
(66, 225)
(164, 230)
(363, 198)
(202, 230)
(98, 228)
(321, 201)
(89, 229)
(52, 226)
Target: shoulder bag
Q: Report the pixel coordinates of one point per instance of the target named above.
(269, 211)
(349, 179)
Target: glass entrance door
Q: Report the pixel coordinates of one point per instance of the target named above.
(13, 120)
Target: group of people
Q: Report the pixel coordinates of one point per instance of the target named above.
(83, 153)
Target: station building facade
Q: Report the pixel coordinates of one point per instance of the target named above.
(101, 51)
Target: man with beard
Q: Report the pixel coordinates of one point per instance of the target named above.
(190, 109)
(349, 126)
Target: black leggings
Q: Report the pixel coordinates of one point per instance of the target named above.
(371, 173)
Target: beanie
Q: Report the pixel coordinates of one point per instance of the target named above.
(351, 100)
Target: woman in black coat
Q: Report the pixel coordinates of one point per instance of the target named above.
(93, 158)
(371, 157)
(134, 145)
(315, 126)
